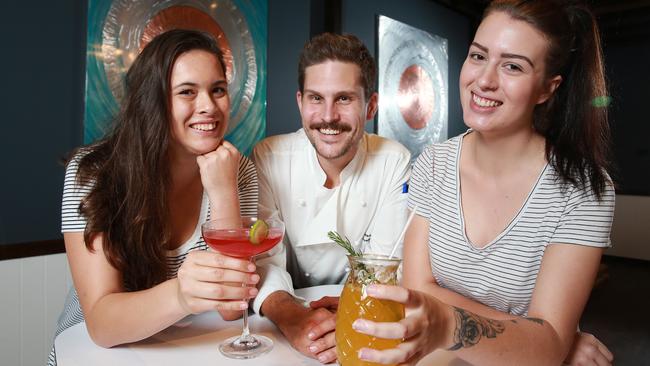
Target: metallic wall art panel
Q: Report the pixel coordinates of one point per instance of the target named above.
(413, 85)
(119, 29)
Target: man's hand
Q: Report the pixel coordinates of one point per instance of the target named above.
(309, 330)
(330, 303)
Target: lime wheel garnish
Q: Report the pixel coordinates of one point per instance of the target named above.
(259, 232)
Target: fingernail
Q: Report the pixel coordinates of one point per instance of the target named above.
(372, 290)
(311, 335)
(362, 354)
(255, 278)
(251, 267)
(243, 306)
(359, 325)
(253, 291)
(322, 358)
(313, 348)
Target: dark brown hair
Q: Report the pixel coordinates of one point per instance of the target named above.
(574, 120)
(336, 47)
(129, 168)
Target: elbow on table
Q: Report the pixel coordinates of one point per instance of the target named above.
(101, 337)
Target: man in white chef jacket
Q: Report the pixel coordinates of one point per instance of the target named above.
(329, 175)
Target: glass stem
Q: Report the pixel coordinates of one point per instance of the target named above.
(245, 334)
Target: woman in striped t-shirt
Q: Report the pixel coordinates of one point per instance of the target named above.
(134, 202)
(512, 216)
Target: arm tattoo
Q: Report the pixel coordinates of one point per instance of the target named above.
(471, 327)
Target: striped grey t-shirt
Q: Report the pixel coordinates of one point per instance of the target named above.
(73, 221)
(502, 274)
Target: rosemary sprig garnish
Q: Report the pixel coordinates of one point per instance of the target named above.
(363, 275)
(345, 243)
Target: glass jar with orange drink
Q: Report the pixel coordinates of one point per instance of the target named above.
(365, 270)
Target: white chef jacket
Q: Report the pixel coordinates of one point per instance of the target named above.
(368, 206)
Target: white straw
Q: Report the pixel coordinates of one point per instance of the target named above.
(401, 235)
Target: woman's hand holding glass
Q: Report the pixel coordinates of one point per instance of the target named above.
(428, 325)
(211, 281)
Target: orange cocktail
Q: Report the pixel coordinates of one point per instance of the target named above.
(354, 303)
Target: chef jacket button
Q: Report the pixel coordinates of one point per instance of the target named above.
(302, 203)
(363, 204)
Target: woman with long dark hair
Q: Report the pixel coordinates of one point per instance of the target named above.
(134, 202)
(513, 215)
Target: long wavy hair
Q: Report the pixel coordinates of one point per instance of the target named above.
(574, 120)
(129, 168)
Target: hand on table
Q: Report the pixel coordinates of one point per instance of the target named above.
(426, 327)
(587, 350)
(308, 330)
(330, 303)
(312, 334)
(211, 281)
(322, 334)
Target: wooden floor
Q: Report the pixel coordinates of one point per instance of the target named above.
(618, 311)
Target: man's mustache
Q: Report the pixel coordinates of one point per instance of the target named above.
(331, 126)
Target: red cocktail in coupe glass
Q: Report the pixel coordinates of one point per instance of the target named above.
(245, 240)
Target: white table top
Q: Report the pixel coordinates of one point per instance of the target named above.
(196, 343)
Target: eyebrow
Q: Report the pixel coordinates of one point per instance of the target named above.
(189, 83)
(337, 94)
(505, 55)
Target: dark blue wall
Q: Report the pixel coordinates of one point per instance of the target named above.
(42, 67)
(628, 72)
(288, 32)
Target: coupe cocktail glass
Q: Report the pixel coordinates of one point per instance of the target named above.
(235, 241)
